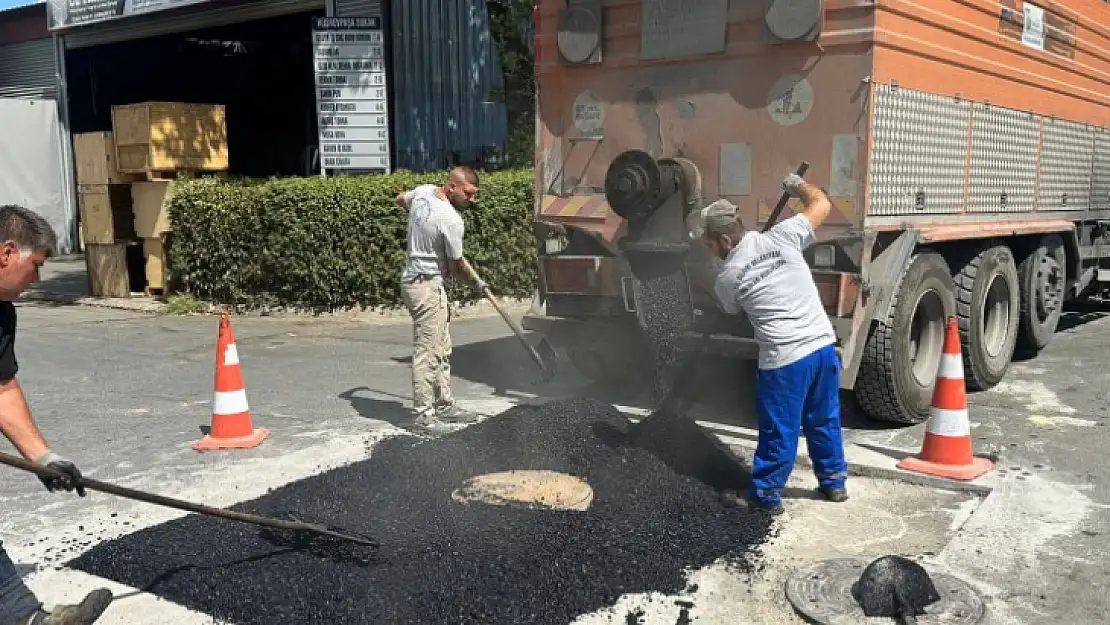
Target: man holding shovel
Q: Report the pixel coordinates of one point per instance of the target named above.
(26, 241)
(798, 382)
(435, 254)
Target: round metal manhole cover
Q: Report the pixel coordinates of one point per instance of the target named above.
(578, 34)
(791, 20)
(531, 489)
(823, 593)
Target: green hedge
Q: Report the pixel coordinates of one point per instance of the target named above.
(328, 243)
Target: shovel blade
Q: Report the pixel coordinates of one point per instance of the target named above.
(547, 358)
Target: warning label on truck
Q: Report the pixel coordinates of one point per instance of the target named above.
(589, 115)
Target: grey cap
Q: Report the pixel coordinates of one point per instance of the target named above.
(716, 218)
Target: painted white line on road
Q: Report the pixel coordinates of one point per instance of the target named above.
(1035, 396)
(998, 547)
(1050, 421)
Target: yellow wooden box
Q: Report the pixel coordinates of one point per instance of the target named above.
(169, 136)
(106, 213)
(152, 216)
(107, 270)
(95, 154)
(154, 251)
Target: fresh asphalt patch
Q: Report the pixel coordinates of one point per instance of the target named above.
(445, 561)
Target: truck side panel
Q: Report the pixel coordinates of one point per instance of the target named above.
(970, 124)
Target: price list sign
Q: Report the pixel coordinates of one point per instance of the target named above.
(351, 96)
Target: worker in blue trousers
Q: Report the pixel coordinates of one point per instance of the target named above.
(798, 380)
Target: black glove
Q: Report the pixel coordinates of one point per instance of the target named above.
(70, 478)
(480, 286)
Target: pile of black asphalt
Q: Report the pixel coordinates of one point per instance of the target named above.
(442, 561)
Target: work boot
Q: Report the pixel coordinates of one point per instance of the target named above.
(835, 495)
(453, 414)
(735, 500)
(84, 613)
(426, 420)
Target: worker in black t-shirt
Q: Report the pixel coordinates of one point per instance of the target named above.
(26, 241)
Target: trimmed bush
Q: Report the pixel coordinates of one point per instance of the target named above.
(329, 243)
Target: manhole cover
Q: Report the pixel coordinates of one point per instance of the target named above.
(532, 489)
(823, 593)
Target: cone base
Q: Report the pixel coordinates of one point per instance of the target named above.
(253, 439)
(964, 472)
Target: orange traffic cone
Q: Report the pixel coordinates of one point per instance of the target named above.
(231, 416)
(947, 451)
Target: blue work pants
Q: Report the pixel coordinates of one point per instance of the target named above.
(802, 396)
(17, 602)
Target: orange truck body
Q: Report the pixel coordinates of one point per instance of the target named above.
(955, 120)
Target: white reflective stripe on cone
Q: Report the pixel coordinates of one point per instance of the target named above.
(951, 367)
(230, 402)
(949, 422)
(231, 355)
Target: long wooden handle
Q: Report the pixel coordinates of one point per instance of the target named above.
(179, 504)
(517, 330)
(783, 199)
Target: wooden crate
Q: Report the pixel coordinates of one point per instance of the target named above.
(152, 217)
(95, 153)
(154, 251)
(169, 136)
(107, 270)
(106, 215)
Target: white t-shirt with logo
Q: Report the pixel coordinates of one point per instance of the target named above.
(767, 277)
(435, 233)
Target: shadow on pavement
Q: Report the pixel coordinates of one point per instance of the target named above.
(392, 411)
(64, 278)
(725, 387)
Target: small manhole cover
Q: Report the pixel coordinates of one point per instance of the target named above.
(823, 593)
(532, 489)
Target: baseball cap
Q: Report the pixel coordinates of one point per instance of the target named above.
(714, 218)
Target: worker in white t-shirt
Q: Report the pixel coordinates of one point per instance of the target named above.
(798, 382)
(435, 253)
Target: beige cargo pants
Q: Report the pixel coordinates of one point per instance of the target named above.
(426, 300)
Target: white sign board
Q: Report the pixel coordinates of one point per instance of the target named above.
(352, 99)
(1032, 31)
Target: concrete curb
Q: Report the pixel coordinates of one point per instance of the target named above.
(137, 304)
(479, 310)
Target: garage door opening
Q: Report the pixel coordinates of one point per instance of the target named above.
(261, 71)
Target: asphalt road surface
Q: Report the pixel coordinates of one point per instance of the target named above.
(125, 395)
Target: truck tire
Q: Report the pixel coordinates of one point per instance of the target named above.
(1043, 276)
(900, 358)
(987, 309)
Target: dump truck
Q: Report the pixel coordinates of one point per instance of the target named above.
(965, 146)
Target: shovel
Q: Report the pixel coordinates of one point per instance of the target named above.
(783, 199)
(543, 354)
(299, 527)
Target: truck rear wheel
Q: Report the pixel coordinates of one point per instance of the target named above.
(1043, 277)
(987, 310)
(900, 358)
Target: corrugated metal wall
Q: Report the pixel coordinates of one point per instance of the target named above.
(446, 80)
(27, 69)
(357, 8)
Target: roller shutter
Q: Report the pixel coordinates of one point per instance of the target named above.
(357, 8)
(203, 15)
(27, 70)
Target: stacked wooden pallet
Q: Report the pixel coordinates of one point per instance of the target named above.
(124, 179)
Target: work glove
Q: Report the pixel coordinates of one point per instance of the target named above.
(70, 478)
(793, 184)
(480, 286)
